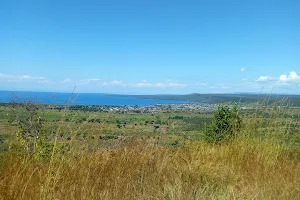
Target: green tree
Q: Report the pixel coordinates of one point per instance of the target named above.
(225, 124)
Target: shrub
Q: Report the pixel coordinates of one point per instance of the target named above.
(225, 124)
(31, 132)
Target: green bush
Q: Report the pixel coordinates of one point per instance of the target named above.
(31, 133)
(225, 124)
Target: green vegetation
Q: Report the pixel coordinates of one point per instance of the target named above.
(52, 152)
(225, 124)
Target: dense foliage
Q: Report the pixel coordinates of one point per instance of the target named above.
(225, 124)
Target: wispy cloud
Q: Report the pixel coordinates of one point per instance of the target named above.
(265, 79)
(90, 84)
(243, 69)
(225, 85)
(167, 84)
(141, 84)
(180, 85)
(202, 84)
(117, 83)
(67, 80)
(93, 79)
(87, 81)
(246, 83)
(21, 77)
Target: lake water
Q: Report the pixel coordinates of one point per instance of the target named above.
(80, 99)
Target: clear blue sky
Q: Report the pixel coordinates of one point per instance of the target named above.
(150, 46)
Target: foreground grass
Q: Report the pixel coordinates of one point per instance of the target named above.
(242, 169)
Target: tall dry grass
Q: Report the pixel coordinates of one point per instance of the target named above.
(242, 169)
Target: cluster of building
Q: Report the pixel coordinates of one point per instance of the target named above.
(147, 109)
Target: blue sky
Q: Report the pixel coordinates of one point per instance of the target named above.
(150, 46)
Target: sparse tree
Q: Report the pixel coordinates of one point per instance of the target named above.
(30, 120)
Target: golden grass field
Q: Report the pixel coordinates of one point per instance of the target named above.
(242, 169)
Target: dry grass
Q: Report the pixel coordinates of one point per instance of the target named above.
(242, 169)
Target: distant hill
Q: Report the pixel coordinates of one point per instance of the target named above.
(245, 98)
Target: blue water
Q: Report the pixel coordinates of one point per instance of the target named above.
(80, 99)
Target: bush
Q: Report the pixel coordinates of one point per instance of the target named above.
(31, 132)
(225, 124)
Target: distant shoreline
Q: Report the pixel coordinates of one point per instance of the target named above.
(99, 99)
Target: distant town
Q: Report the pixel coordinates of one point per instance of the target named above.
(146, 109)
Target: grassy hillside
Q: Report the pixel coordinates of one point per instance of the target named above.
(91, 157)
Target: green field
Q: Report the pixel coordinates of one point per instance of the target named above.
(168, 126)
